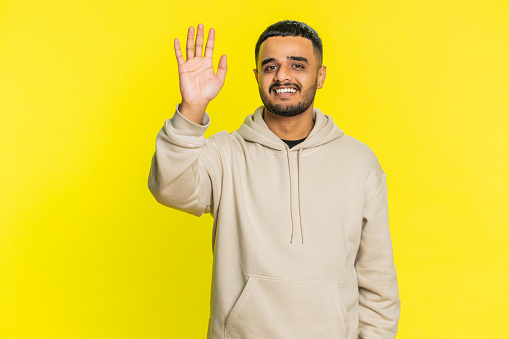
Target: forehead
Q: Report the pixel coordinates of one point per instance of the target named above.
(281, 47)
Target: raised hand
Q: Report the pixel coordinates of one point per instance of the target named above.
(199, 84)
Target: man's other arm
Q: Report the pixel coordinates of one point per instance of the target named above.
(379, 304)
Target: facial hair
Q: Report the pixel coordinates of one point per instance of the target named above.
(287, 110)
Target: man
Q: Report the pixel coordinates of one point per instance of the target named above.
(301, 239)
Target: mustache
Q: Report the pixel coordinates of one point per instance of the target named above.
(286, 84)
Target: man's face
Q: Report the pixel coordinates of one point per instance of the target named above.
(288, 75)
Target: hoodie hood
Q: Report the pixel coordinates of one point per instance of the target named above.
(255, 129)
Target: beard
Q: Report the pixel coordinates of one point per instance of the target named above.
(287, 110)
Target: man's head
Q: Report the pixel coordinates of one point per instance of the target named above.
(291, 28)
(289, 67)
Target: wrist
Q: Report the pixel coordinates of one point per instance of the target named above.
(193, 112)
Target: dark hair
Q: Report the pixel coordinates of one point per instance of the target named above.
(291, 28)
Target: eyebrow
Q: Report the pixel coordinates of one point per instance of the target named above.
(266, 61)
(296, 58)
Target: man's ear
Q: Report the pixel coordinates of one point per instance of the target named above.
(256, 74)
(322, 72)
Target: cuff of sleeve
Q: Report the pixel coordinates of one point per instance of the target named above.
(205, 122)
(186, 127)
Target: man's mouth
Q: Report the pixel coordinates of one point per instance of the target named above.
(284, 91)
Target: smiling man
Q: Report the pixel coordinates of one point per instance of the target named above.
(301, 240)
(289, 71)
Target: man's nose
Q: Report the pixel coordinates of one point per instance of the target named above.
(282, 75)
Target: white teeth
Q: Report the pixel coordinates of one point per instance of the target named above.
(286, 90)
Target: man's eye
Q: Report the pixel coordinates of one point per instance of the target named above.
(269, 68)
(298, 66)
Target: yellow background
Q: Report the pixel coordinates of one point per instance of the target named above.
(86, 252)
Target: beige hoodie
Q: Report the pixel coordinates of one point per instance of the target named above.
(301, 236)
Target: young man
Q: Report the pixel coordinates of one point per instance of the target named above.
(301, 239)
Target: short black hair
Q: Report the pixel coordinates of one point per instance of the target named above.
(291, 28)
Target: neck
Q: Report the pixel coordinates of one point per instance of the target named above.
(290, 128)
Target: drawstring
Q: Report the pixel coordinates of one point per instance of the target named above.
(300, 198)
(291, 195)
(298, 193)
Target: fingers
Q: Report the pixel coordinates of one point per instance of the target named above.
(190, 43)
(178, 52)
(222, 67)
(209, 48)
(198, 50)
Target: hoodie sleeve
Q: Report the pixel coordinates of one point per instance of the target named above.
(379, 304)
(185, 168)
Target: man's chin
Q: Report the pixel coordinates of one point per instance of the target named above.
(284, 110)
(287, 109)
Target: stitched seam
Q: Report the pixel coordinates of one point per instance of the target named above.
(241, 307)
(214, 175)
(195, 195)
(374, 191)
(340, 305)
(264, 277)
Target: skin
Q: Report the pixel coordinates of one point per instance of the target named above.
(289, 62)
(199, 84)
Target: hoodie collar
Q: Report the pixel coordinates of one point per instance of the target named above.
(255, 129)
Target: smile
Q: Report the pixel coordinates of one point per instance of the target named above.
(285, 90)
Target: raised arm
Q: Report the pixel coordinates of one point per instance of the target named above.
(198, 82)
(186, 172)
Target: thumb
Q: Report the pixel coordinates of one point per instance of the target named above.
(222, 67)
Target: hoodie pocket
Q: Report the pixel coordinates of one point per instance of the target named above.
(276, 308)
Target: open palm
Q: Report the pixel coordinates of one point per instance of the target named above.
(199, 84)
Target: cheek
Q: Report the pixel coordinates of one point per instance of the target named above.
(308, 79)
(265, 84)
